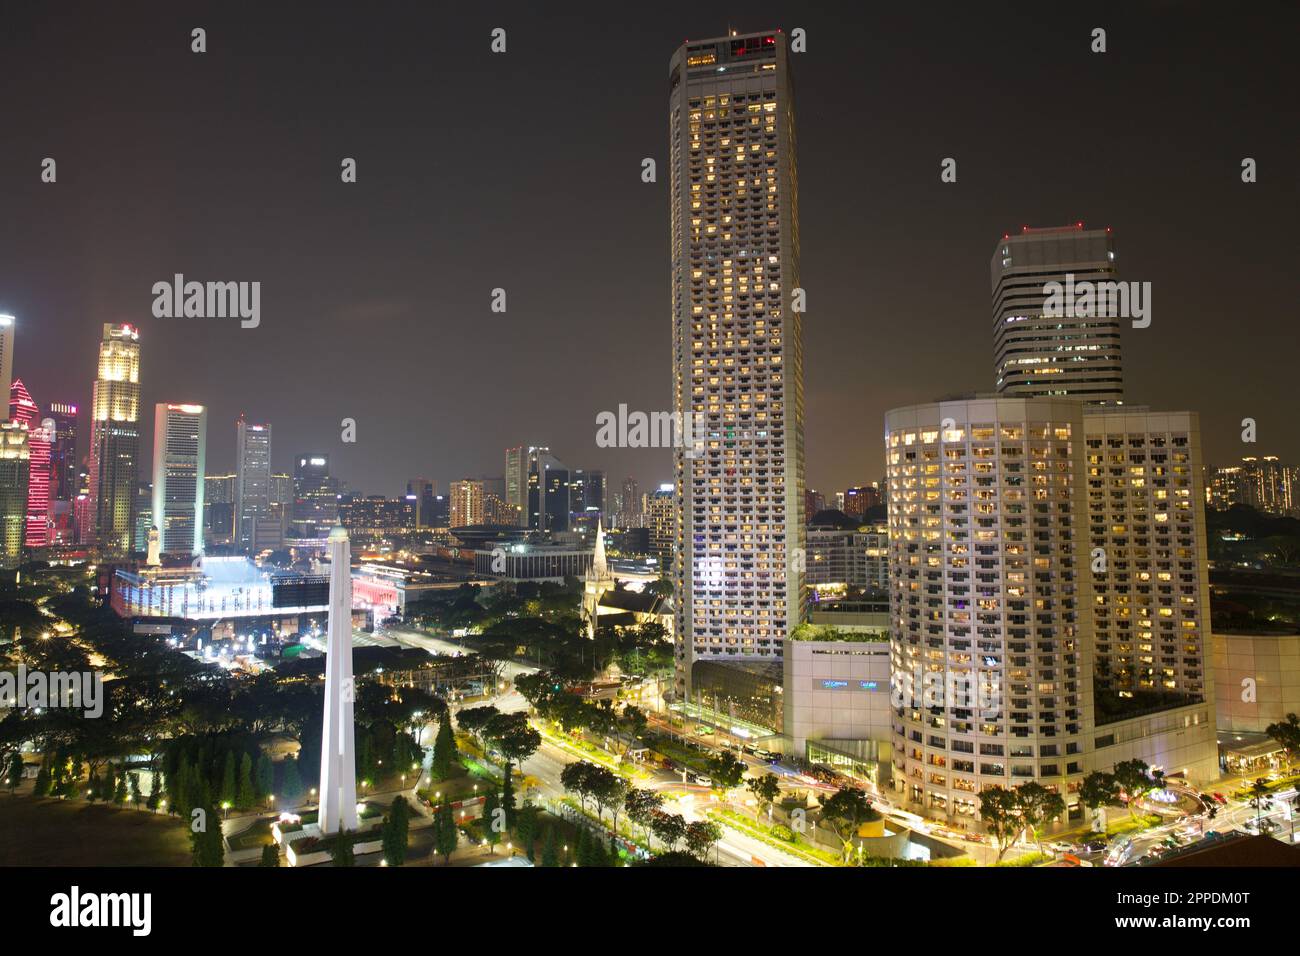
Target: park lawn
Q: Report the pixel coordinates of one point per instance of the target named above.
(45, 832)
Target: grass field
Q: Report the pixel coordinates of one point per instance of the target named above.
(44, 832)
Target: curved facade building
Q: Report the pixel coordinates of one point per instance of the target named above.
(990, 598)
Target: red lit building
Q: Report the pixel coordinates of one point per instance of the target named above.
(23, 409)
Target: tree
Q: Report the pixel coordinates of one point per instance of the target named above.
(641, 806)
(526, 828)
(229, 788)
(508, 803)
(290, 782)
(270, 855)
(1133, 777)
(245, 796)
(610, 791)
(473, 720)
(342, 851)
(1099, 789)
(765, 789)
(726, 770)
(1001, 816)
(206, 846)
(1038, 806)
(136, 796)
(577, 778)
(119, 789)
(701, 836)
(155, 792)
(42, 786)
(446, 836)
(396, 828)
(92, 786)
(1259, 799)
(669, 828)
(846, 810)
(1287, 733)
(14, 771)
(636, 720)
(265, 776)
(512, 735)
(550, 856)
(444, 749)
(488, 823)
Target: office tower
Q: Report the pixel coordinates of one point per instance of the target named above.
(144, 523)
(858, 500)
(63, 452)
(737, 344)
(40, 433)
(990, 598)
(517, 483)
(1076, 355)
(14, 471)
(548, 491)
(467, 501)
(338, 771)
(282, 491)
(180, 445)
(6, 351)
(629, 509)
(586, 497)
(252, 480)
(496, 511)
(219, 489)
(115, 438)
(424, 491)
(315, 497)
(1146, 507)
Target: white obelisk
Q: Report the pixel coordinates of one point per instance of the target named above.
(338, 769)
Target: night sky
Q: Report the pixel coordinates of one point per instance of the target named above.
(522, 171)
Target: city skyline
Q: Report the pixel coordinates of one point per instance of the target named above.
(427, 279)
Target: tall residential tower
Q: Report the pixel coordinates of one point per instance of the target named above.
(737, 349)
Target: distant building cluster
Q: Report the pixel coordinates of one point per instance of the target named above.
(1262, 482)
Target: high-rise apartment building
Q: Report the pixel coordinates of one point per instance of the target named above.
(467, 503)
(180, 439)
(1146, 509)
(629, 505)
(1268, 485)
(991, 600)
(315, 497)
(737, 347)
(1075, 354)
(115, 438)
(659, 511)
(63, 452)
(517, 460)
(252, 479)
(40, 434)
(14, 471)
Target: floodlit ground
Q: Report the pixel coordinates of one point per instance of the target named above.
(74, 833)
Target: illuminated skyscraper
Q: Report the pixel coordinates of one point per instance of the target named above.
(115, 438)
(14, 463)
(39, 434)
(1076, 356)
(737, 347)
(180, 439)
(252, 479)
(517, 483)
(315, 497)
(63, 452)
(467, 503)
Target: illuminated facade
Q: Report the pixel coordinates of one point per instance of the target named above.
(63, 453)
(990, 598)
(517, 483)
(14, 470)
(1146, 507)
(315, 499)
(252, 480)
(1038, 354)
(737, 347)
(115, 438)
(467, 502)
(40, 435)
(180, 445)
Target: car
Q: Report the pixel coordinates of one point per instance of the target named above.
(1219, 798)
(1061, 847)
(703, 780)
(1096, 845)
(702, 731)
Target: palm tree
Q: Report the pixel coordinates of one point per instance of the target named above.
(1258, 796)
